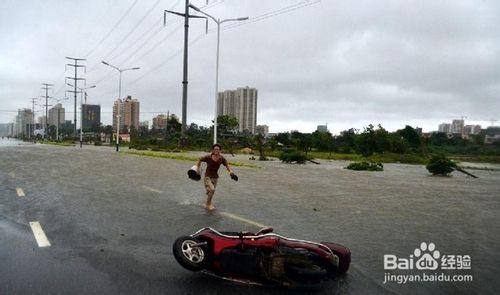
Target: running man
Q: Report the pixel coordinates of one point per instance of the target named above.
(214, 160)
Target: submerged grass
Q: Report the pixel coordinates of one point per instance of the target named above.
(62, 143)
(181, 157)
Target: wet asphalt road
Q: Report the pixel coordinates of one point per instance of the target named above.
(111, 220)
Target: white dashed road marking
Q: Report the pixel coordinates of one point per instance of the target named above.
(239, 218)
(40, 236)
(152, 189)
(20, 192)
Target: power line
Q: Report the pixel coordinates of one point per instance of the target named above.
(133, 29)
(108, 74)
(112, 29)
(271, 14)
(143, 35)
(166, 61)
(258, 18)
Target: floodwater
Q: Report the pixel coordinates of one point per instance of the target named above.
(12, 142)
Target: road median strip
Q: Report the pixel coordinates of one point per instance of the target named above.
(181, 157)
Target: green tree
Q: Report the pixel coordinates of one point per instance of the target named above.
(226, 124)
(322, 141)
(411, 136)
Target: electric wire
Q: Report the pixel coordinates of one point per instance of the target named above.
(112, 29)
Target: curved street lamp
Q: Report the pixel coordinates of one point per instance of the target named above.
(119, 97)
(218, 22)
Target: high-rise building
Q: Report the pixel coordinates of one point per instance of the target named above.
(444, 128)
(322, 128)
(24, 123)
(57, 113)
(4, 129)
(472, 129)
(160, 122)
(91, 117)
(457, 126)
(129, 113)
(242, 104)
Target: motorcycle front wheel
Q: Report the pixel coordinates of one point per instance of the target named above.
(189, 254)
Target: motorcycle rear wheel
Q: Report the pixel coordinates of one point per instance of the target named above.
(190, 257)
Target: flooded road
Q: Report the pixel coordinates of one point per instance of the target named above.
(111, 219)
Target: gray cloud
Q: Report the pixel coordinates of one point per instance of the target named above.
(337, 62)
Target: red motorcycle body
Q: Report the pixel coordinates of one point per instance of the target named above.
(263, 258)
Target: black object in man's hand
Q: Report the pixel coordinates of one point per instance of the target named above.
(234, 176)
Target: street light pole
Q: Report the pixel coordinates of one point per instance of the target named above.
(218, 22)
(119, 97)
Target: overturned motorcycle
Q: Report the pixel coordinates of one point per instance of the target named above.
(263, 258)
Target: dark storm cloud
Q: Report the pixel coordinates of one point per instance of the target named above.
(344, 63)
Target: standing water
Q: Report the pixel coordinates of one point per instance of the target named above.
(12, 142)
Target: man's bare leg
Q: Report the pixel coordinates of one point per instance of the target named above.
(210, 187)
(210, 195)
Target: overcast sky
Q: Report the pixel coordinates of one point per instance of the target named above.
(344, 63)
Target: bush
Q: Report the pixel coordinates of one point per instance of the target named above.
(98, 143)
(365, 166)
(292, 156)
(440, 165)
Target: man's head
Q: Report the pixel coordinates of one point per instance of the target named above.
(216, 148)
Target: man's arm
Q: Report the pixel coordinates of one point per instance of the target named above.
(198, 164)
(225, 163)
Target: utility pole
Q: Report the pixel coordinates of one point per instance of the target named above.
(75, 82)
(186, 16)
(46, 86)
(32, 128)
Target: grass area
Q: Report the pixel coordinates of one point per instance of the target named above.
(394, 158)
(61, 143)
(384, 158)
(476, 159)
(179, 156)
(480, 168)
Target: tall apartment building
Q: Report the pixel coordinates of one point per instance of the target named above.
(160, 122)
(24, 123)
(322, 128)
(129, 113)
(242, 104)
(91, 117)
(457, 126)
(472, 129)
(56, 113)
(444, 127)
